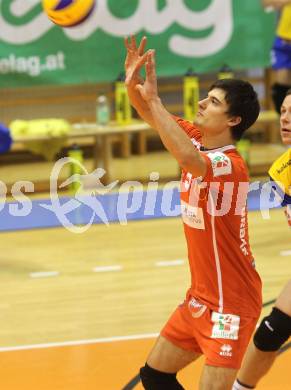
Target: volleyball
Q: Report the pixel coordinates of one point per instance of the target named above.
(68, 13)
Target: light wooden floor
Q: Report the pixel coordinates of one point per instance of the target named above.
(79, 304)
(135, 298)
(104, 366)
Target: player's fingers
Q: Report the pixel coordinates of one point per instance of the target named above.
(142, 46)
(138, 88)
(133, 42)
(135, 72)
(128, 49)
(141, 61)
(148, 68)
(150, 65)
(153, 58)
(128, 79)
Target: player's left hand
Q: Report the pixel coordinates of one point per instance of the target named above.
(149, 89)
(133, 56)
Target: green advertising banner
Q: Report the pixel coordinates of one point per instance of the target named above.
(203, 34)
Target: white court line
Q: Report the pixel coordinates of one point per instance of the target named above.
(47, 274)
(108, 268)
(286, 253)
(169, 263)
(80, 342)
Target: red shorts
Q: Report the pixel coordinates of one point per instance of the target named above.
(222, 338)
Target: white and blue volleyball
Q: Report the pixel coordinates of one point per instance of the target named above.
(68, 13)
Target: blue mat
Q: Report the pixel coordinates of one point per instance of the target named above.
(109, 208)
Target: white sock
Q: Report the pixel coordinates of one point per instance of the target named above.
(239, 386)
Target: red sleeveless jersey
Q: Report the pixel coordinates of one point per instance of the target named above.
(215, 217)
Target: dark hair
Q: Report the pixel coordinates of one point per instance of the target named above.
(242, 101)
(288, 92)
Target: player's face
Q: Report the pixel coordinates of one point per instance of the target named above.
(285, 120)
(212, 116)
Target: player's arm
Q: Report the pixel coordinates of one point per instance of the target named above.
(172, 136)
(275, 3)
(281, 178)
(133, 77)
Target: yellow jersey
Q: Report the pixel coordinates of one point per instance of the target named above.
(280, 172)
(284, 25)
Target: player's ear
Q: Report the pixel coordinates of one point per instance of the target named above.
(233, 121)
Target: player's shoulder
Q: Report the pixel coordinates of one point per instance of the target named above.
(281, 164)
(227, 152)
(227, 161)
(183, 122)
(280, 175)
(286, 155)
(188, 127)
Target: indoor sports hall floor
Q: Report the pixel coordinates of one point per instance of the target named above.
(81, 311)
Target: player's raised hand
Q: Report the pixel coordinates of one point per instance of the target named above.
(133, 56)
(149, 89)
(135, 60)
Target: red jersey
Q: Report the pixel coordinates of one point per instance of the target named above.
(214, 213)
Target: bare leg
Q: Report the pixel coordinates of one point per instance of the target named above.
(168, 358)
(283, 76)
(284, 299)
(257, 363)
(217, 378)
